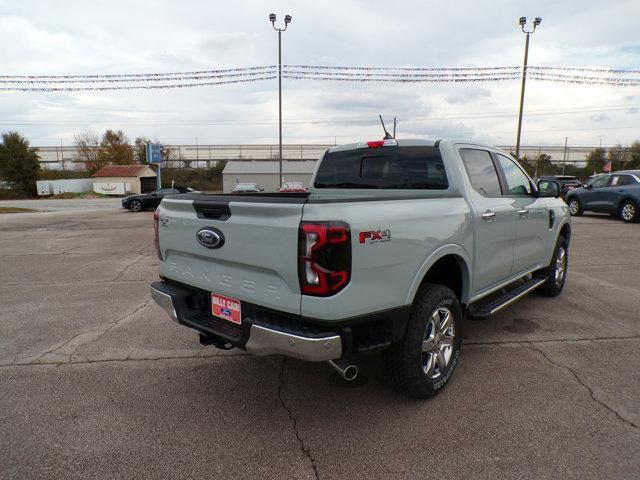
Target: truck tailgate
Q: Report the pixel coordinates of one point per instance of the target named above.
(257, 262)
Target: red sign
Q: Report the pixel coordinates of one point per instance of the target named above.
(226, 308)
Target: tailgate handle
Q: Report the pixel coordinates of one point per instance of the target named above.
(209, 211)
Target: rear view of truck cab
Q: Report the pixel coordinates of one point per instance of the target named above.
(376, 257)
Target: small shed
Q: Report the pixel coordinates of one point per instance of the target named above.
(120, 179)
(265, 173)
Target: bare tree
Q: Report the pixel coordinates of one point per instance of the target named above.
(86, 144)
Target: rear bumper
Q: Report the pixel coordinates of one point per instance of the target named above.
(266, 332)
(184, 307)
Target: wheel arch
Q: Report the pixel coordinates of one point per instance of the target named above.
(448, 266)
(625, 198)
(565, 231)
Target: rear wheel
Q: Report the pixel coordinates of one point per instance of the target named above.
(629, 211)
(575, 207)
(135, 206)
(424, 360)
(556, 272)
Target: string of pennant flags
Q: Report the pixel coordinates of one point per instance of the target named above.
(206, 78)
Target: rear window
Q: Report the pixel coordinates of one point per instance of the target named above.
(417, 168)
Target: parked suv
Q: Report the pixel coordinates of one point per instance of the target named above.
(395, 241)
(617, 194)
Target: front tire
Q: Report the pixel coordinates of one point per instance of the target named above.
(629, 211)
(135, 206)
(424, 360)
(556, 272)
(575, 207)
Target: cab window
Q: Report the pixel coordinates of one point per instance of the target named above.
(517, 182)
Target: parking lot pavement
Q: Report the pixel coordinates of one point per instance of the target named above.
(65, 204)
(98, 383)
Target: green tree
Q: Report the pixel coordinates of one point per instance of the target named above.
(595, 161)
(115, 149)
(19, 163)
(618, 157)
(140, 149)
(633, 156)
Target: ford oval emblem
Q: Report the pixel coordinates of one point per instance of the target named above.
(210, 237)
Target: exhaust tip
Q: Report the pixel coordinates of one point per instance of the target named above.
(350, 373)
(345, 369)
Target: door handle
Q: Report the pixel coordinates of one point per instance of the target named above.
(488, 215)
(524, 212)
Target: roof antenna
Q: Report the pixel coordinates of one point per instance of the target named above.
(387, 135)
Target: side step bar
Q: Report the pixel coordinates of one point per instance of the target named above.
(507, 299)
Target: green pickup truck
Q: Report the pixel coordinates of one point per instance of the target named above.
(395, 241)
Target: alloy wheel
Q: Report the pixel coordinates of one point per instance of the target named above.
(437, 346)
(628, 212)
(574, 207)
(561, 265)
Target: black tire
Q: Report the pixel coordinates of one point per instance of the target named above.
(629, 211)
(555, 280)
(405, 360)
(575, 210)
(135, 206)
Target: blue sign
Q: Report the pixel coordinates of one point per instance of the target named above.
(154, 153)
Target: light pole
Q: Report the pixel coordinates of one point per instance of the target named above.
(287, 20)
(523, 22)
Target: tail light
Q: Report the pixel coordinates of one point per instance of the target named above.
(156, 240)
(324, 260)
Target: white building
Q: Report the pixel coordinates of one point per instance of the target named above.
(266, 173)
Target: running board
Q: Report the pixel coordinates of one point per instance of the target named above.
(507, 299)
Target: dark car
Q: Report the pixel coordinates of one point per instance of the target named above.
(567, 182)
(617, 194)
(150, 201)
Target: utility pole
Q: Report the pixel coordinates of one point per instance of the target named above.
(523, 22)
(564, 156)
(287, 20)
(395, 122)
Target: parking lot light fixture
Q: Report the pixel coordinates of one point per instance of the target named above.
(287, 21)
(523, 22)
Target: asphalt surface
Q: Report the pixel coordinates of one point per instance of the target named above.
(96, 382)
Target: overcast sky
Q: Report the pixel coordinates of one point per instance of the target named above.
(99, 37)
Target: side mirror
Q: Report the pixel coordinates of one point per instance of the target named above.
(549, 188)
(588, 186)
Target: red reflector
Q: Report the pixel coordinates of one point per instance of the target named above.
(376, 144)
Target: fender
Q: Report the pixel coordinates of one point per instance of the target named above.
(552, 245)
(450, 249)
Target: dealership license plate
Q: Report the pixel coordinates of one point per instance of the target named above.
(226, 308)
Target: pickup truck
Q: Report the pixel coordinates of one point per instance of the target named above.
(395, 241)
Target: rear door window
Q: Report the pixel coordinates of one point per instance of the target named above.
(416, 168)
(482, 172)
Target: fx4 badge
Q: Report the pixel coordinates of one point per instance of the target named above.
(375, 236)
